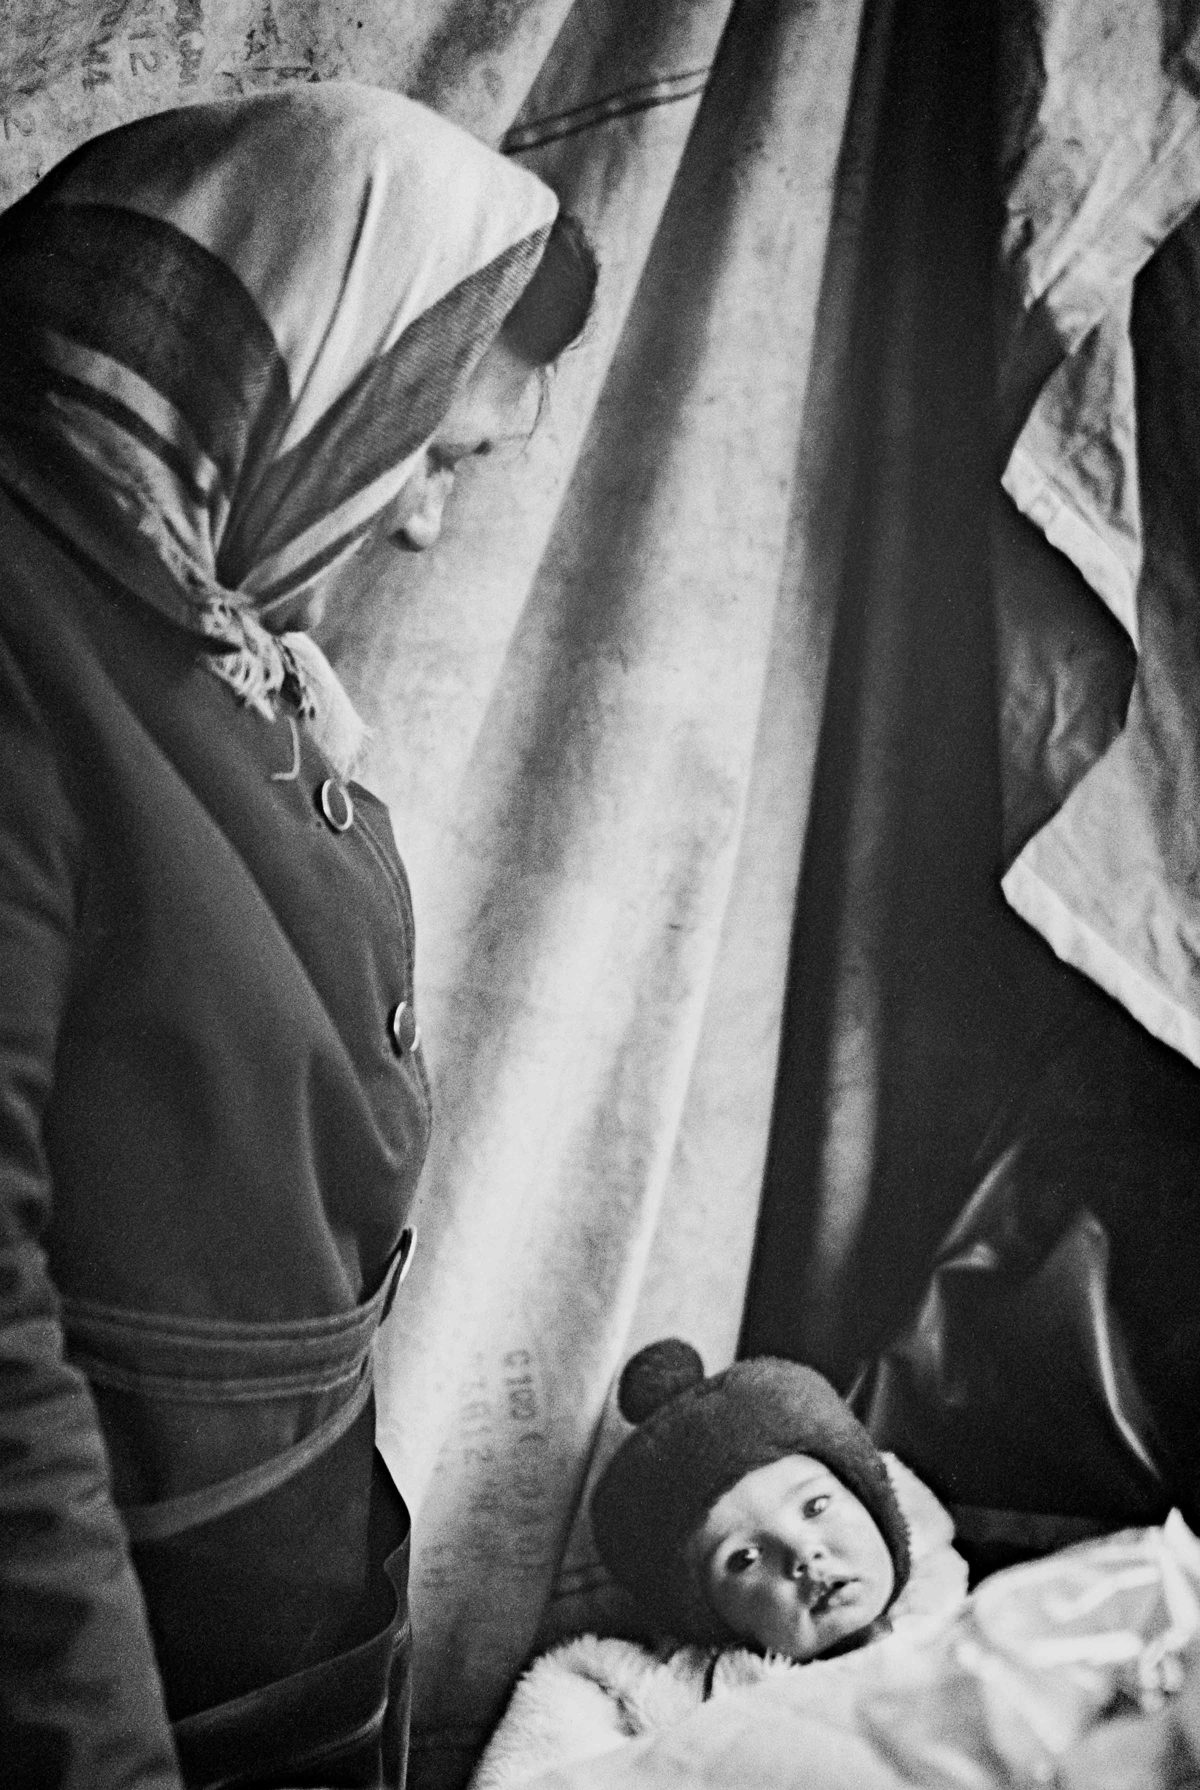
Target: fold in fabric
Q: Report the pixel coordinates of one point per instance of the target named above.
(1102, 168)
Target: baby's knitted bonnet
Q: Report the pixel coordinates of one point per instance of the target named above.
(695, 1438)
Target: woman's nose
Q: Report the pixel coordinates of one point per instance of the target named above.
(422, 525)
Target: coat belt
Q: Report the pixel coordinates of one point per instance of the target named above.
(215, 1361)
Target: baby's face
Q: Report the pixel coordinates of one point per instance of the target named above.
(791, 1559)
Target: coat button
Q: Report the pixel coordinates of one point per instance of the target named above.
(333, 799)
(404, 1029)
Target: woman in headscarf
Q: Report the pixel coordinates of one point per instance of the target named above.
(240, 340)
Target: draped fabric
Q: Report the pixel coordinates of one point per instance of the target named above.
(615, 718)
(593, 714)
(908, 982)
(1101, 156)
(930, 1033)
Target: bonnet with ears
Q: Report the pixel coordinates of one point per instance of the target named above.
(695, 1438)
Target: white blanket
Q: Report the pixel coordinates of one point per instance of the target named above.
(1035, 1678)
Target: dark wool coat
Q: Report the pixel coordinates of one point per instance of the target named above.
(212, 1118)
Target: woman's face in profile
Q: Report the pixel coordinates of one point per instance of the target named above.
(498, 404)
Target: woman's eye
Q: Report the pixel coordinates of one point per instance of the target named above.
(813, 1507)
(741, 1560)
(447, 459)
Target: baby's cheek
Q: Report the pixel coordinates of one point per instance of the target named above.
(747, 1609)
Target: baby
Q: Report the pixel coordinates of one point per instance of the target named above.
(766, 1541)
(757, 1528)
(751, 1506)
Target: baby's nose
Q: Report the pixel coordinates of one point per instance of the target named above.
(807, 1557)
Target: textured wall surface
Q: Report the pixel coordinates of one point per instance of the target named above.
(71, 68)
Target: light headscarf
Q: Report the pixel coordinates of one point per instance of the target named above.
(246, 319)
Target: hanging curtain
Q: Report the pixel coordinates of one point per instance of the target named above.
(594, 717)
(1101, 159)
(896, 1007)
(952, 1088)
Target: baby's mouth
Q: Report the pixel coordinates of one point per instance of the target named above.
(826, 1595)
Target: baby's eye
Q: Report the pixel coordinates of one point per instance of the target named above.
(740, 1560)
(813, 1507)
